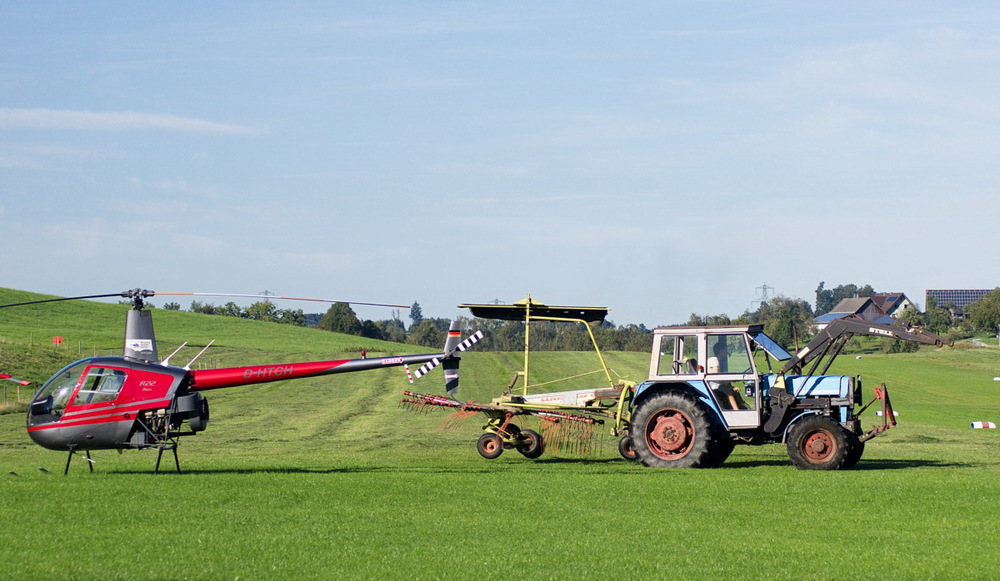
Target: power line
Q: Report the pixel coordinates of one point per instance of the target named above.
(763, 294)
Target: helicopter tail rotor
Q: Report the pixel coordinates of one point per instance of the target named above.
(450, 360)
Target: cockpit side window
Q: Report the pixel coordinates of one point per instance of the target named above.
(101, 384)
(54, 395)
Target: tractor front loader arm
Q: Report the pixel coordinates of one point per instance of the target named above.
(831, 339)
(825, 346)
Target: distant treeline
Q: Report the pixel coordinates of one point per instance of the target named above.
(431, 332)
(788, 320)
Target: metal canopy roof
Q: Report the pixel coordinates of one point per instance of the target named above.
(521, 310)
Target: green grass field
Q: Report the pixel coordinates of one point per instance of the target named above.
(329, 478)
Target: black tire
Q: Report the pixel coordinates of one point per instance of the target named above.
(530, 444)
(489, 445)
(510, 436)
(722, 446)
(817, 443)
(626, 449)
(671, 430)
(855, 449)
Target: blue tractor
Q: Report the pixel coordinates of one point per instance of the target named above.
(711, 388)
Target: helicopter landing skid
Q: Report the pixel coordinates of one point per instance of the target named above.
(159, 435)
(72, 450)
(167, 445)
(161, 446)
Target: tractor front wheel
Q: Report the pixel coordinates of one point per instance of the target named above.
(489, 445)
(817, 443)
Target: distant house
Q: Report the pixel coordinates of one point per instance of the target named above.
(894, 304)
(863, 307)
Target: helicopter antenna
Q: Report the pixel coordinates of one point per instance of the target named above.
(188, 366)
(166, 361)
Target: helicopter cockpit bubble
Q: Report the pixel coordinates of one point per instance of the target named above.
(51, 399)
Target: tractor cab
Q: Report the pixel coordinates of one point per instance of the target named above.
(723, 364)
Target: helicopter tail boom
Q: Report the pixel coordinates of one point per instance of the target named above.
(205, 379)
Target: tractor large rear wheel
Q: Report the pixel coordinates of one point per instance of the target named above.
(671, 430)
(817, 443)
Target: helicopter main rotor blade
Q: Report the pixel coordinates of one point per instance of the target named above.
(279, 297)
(64, 299)
(14, 379)
(148, 293)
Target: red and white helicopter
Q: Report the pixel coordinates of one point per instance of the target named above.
(137, 401)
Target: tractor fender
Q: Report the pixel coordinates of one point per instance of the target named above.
(795, 420)
(648, 389)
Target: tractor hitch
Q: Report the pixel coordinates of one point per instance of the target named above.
(888, 415)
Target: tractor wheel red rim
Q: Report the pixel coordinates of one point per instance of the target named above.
(819, 446)
(670, 434)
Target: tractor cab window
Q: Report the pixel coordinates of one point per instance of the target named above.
(730, 371)
(100, 384)
(680, 357)
(771, 347)
(728, 354)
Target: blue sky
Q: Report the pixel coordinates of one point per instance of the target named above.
(658, 158)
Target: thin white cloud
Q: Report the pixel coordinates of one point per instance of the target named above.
(267, 260)
(199, 245)
(17, 162)
(113, 121)
(484, 170)
(569, 235)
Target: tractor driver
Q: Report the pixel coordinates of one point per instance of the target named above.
(729, 397)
